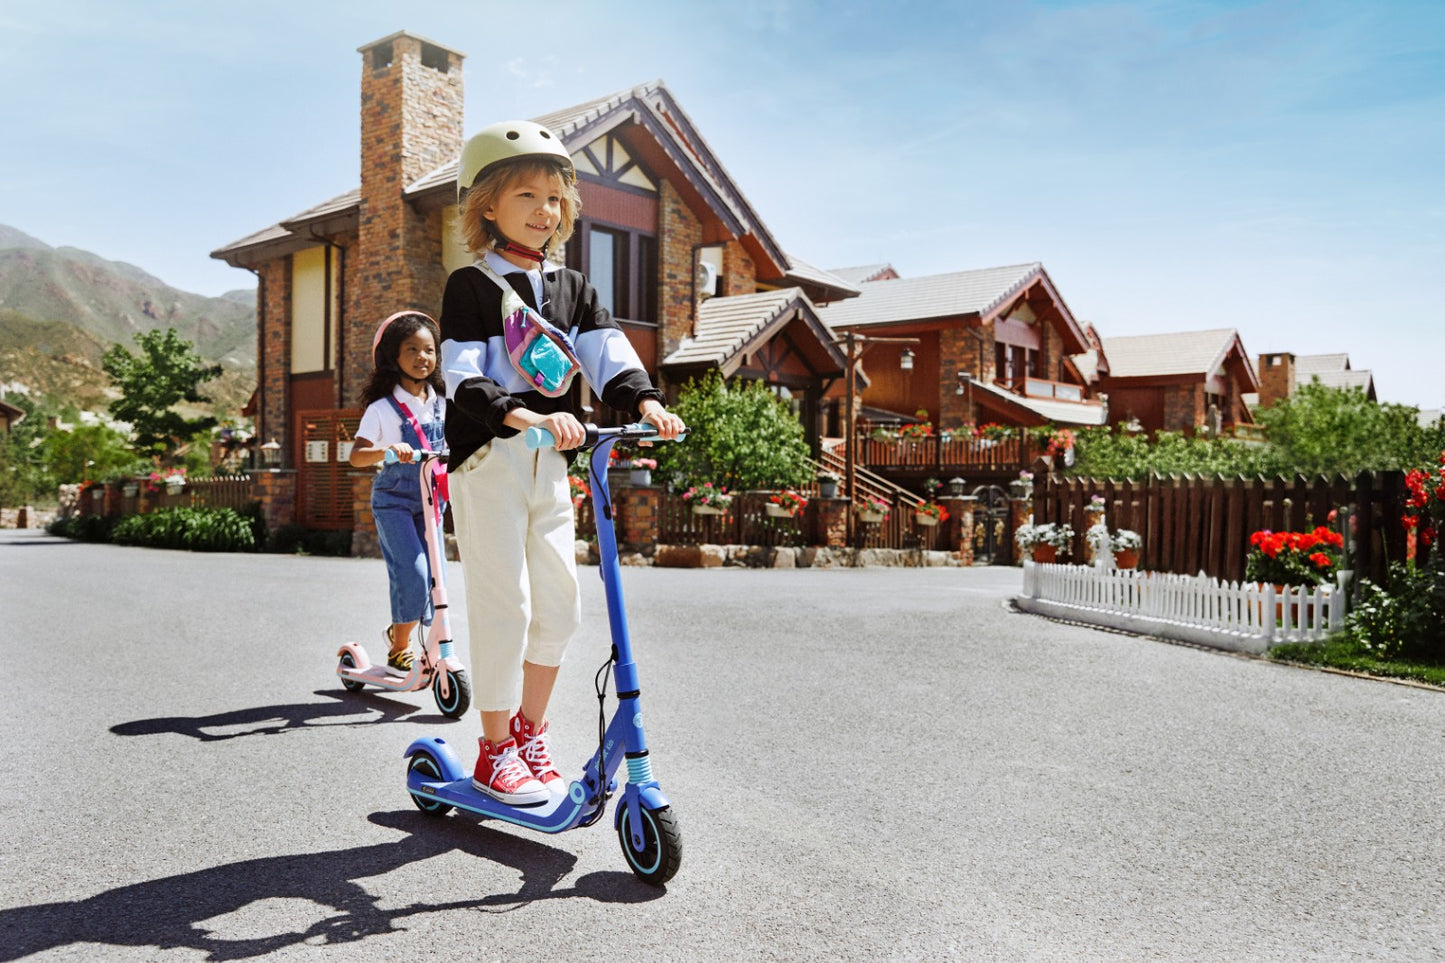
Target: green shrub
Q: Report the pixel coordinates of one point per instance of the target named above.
(195, 529)
(741, 436)
(82, 528)
(1405, 622)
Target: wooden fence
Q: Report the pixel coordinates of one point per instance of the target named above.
(1194, 524)
(1243, 617)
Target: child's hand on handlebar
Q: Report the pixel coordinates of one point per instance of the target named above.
(668, 425)
(403, 452)
(566, 429)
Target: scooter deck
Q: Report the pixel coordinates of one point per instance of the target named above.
(559, 813)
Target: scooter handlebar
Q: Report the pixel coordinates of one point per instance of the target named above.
(390, 458)
(641, 431)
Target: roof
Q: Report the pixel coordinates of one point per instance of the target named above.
(291, 232)
(932, 296)
(1362, 379)
(1175, 353)
(727, 326)
(1059, 412)
(1307, 364)
(649, 104)
(831, 285)
(865, 273)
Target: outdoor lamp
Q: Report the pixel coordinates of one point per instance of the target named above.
(271, 453)
(955, 486)
(963, 380)
(905, 360)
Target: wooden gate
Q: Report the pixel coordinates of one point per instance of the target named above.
(992, 531)
(323, 495)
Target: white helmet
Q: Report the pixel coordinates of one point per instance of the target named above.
(508, 140)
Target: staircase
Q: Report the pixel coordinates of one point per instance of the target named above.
(867, 483)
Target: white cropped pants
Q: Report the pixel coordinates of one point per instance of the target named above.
(516, 536)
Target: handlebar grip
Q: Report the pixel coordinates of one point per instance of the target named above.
(540, 438)
(389, 457)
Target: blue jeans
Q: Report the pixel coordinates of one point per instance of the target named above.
(401, 526)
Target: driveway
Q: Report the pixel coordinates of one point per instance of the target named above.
(866, 764)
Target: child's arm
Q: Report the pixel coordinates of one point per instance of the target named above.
(365, 453)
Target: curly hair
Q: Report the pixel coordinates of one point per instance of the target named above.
(480, 235)
(387, 374)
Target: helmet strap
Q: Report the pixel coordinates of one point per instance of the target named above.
(512, 247)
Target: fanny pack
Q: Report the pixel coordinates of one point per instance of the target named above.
(540, 353)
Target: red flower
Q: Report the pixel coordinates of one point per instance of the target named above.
(1410, 521)
(1321, 560)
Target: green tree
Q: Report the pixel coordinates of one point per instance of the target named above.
(23, 478)
(1321, 429)
(92, 452)
(740, 435)
(167, 372)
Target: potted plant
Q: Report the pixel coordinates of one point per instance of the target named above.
(930, 513)
(1023, 486)
(640, 473)
(1293, 558)
(785, 504)
(873, 509)
(1126, 544)
(827, 485)
(708, 499)
(1046, 542)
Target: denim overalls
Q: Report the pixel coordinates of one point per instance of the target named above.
(400, 522)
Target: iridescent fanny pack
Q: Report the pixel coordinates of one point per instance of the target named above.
(540, 353)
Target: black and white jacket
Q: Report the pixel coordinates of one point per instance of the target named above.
(482, 385)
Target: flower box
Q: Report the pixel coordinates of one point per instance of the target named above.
(872, 518)
(925, 519)
(640, 477)
(777, 511)
(706, 510)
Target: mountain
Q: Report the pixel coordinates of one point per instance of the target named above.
(61, 307)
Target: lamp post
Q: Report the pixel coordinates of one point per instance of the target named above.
(271, 453)
(856, 344)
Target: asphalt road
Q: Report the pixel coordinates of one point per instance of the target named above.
(866, 764)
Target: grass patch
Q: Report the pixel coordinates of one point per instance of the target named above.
(1340, 652)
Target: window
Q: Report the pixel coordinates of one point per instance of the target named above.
(622, 266)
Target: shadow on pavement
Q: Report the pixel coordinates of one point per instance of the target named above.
(273, 720)
(171, 912)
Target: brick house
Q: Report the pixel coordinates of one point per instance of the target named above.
(991, 345)
(1282, 372)
(683, 261)
(1182, 381)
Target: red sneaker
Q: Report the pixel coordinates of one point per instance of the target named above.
(503, 775)
(532, 747)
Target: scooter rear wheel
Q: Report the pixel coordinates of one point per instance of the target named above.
(351, 684)
(460, 698)
(661, 854)
(424, 765)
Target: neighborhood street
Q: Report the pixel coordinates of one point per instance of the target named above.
(871, 764)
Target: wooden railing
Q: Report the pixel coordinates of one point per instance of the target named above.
(956, 454)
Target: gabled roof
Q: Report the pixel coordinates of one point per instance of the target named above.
(982, 293)
(1308, 364)
(292, 233)
(1362, 379)
(826, 285)
(728, 328)
(650, 105)
(866, 273)
(1176, 353)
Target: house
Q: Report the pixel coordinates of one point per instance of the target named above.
(1281, 373)
(10, 416)
(682, 260)
(1181, 381)
(982, 345)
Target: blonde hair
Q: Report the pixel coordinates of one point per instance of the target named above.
(480, 235)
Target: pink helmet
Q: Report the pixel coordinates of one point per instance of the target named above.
(381, 330)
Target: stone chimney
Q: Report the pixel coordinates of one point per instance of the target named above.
(411, 124)
(1276, 377)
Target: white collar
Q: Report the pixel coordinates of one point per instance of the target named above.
(502, 266)
(407, 398)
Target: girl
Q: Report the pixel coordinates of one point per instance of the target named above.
(404, 408)
(516, 329)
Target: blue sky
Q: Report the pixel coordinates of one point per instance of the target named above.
(1273, 166)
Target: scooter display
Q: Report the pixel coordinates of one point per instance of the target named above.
(437, 666)
(644, 821)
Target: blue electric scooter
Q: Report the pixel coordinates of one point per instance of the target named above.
(645, 823)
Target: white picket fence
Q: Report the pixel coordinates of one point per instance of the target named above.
(1243, 617)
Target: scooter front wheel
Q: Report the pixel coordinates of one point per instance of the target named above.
(455, 704)
(351, 685)
(661, 854)
(428, 768)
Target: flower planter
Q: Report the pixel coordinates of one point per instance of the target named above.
(706, 510)
(1046, 553)
(640, 477)
(872, 518)
(130, 491)
(827, 488)
(1126, 558)
(926, 520)
(777, 511)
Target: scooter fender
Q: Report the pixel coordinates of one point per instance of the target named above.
(442, 752)
(650, 797)
(358, 656)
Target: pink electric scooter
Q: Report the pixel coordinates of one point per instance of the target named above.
(437, 667)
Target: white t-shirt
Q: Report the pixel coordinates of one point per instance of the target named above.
(502, 266)
(381, 425)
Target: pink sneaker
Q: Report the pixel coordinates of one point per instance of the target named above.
(532, 747)
(503, 775)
